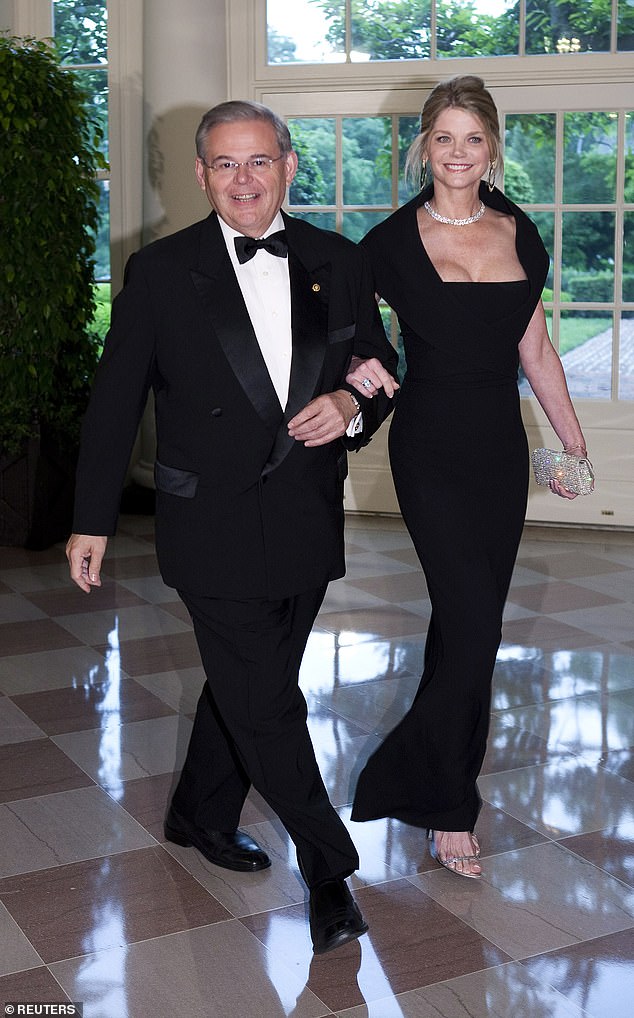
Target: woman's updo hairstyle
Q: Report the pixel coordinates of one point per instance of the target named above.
(464, 92)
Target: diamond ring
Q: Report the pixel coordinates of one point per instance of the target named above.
(366, 383)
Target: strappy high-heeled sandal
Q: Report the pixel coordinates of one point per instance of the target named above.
(450, 862)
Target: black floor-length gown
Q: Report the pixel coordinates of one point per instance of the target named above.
(459, 458)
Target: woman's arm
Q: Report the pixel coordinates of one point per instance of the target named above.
(543, 369)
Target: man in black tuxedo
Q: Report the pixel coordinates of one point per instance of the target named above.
(266, 361)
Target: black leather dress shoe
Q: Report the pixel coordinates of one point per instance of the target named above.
(334, 916)
(234, 850)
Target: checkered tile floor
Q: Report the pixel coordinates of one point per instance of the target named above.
(96, 699)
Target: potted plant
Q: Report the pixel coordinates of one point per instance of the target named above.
(49, 158)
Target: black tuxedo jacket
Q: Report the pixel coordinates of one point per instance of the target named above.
(242, 509)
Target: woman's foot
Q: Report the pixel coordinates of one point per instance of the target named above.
(458, 851)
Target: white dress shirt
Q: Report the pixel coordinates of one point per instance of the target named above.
(265, 284)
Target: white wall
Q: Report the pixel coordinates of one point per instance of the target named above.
(26, 17)
(184, 74)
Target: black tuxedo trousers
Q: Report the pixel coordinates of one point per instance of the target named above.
(250, 727)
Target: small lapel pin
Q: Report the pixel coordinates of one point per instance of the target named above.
(316, 287)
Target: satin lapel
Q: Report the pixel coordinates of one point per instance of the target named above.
(309, 316)
(219, 291)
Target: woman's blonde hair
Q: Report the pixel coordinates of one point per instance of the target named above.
(464, 92)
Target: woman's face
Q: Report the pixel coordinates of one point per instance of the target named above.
(457, 150)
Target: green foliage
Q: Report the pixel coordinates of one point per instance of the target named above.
(308, 186)
(101, 318)
(588, 242)
(517, 183)
(281, 49)
(314, 141)
(530, 143)
(48, 220)
(464, 31)
(81, 38)
(401, 29)
(590, 286)
(575, 330)
(81, 31)
(366, 174)
(568, 26)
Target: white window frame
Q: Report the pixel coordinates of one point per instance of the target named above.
(379, 88)
(251, 76)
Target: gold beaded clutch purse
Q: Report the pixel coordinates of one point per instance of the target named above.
(574, 472)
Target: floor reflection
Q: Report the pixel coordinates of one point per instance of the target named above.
(95, 713)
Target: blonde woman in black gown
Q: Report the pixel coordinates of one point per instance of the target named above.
(463, 268)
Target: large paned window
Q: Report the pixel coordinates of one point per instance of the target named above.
(580, 192)
(332, 31)
(565, 169)
(80, 30)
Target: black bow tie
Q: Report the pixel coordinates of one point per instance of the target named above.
(275, 245)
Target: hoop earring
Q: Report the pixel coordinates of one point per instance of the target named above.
(491, 177)
(423, 174)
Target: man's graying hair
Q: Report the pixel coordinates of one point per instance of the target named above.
(241, 109)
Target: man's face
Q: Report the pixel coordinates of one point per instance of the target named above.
(246, 199)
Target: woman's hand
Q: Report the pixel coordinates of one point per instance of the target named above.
(558, 489)
(370, 376)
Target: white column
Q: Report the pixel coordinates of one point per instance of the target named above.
(184, 74)
(27, 17)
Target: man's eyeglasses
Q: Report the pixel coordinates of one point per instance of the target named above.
(227, 167)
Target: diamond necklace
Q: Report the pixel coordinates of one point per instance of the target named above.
(455, 222)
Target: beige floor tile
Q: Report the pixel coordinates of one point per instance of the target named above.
(15, 726)
(561, 899)
(412, 942)
(610, 622)
(118, 625)
(604, 988)
(588, 724)
(51, 669)
(562, 798)
(505, 990)
(122, 752)
(213, 972)
(180, 689)
(107, 902)
(52, 830)
(155, 930)
(244, 894)
(17, 951)
(16, 608)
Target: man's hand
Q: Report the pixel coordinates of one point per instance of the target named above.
(370, 376)
(85, 554)
(323, 419)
